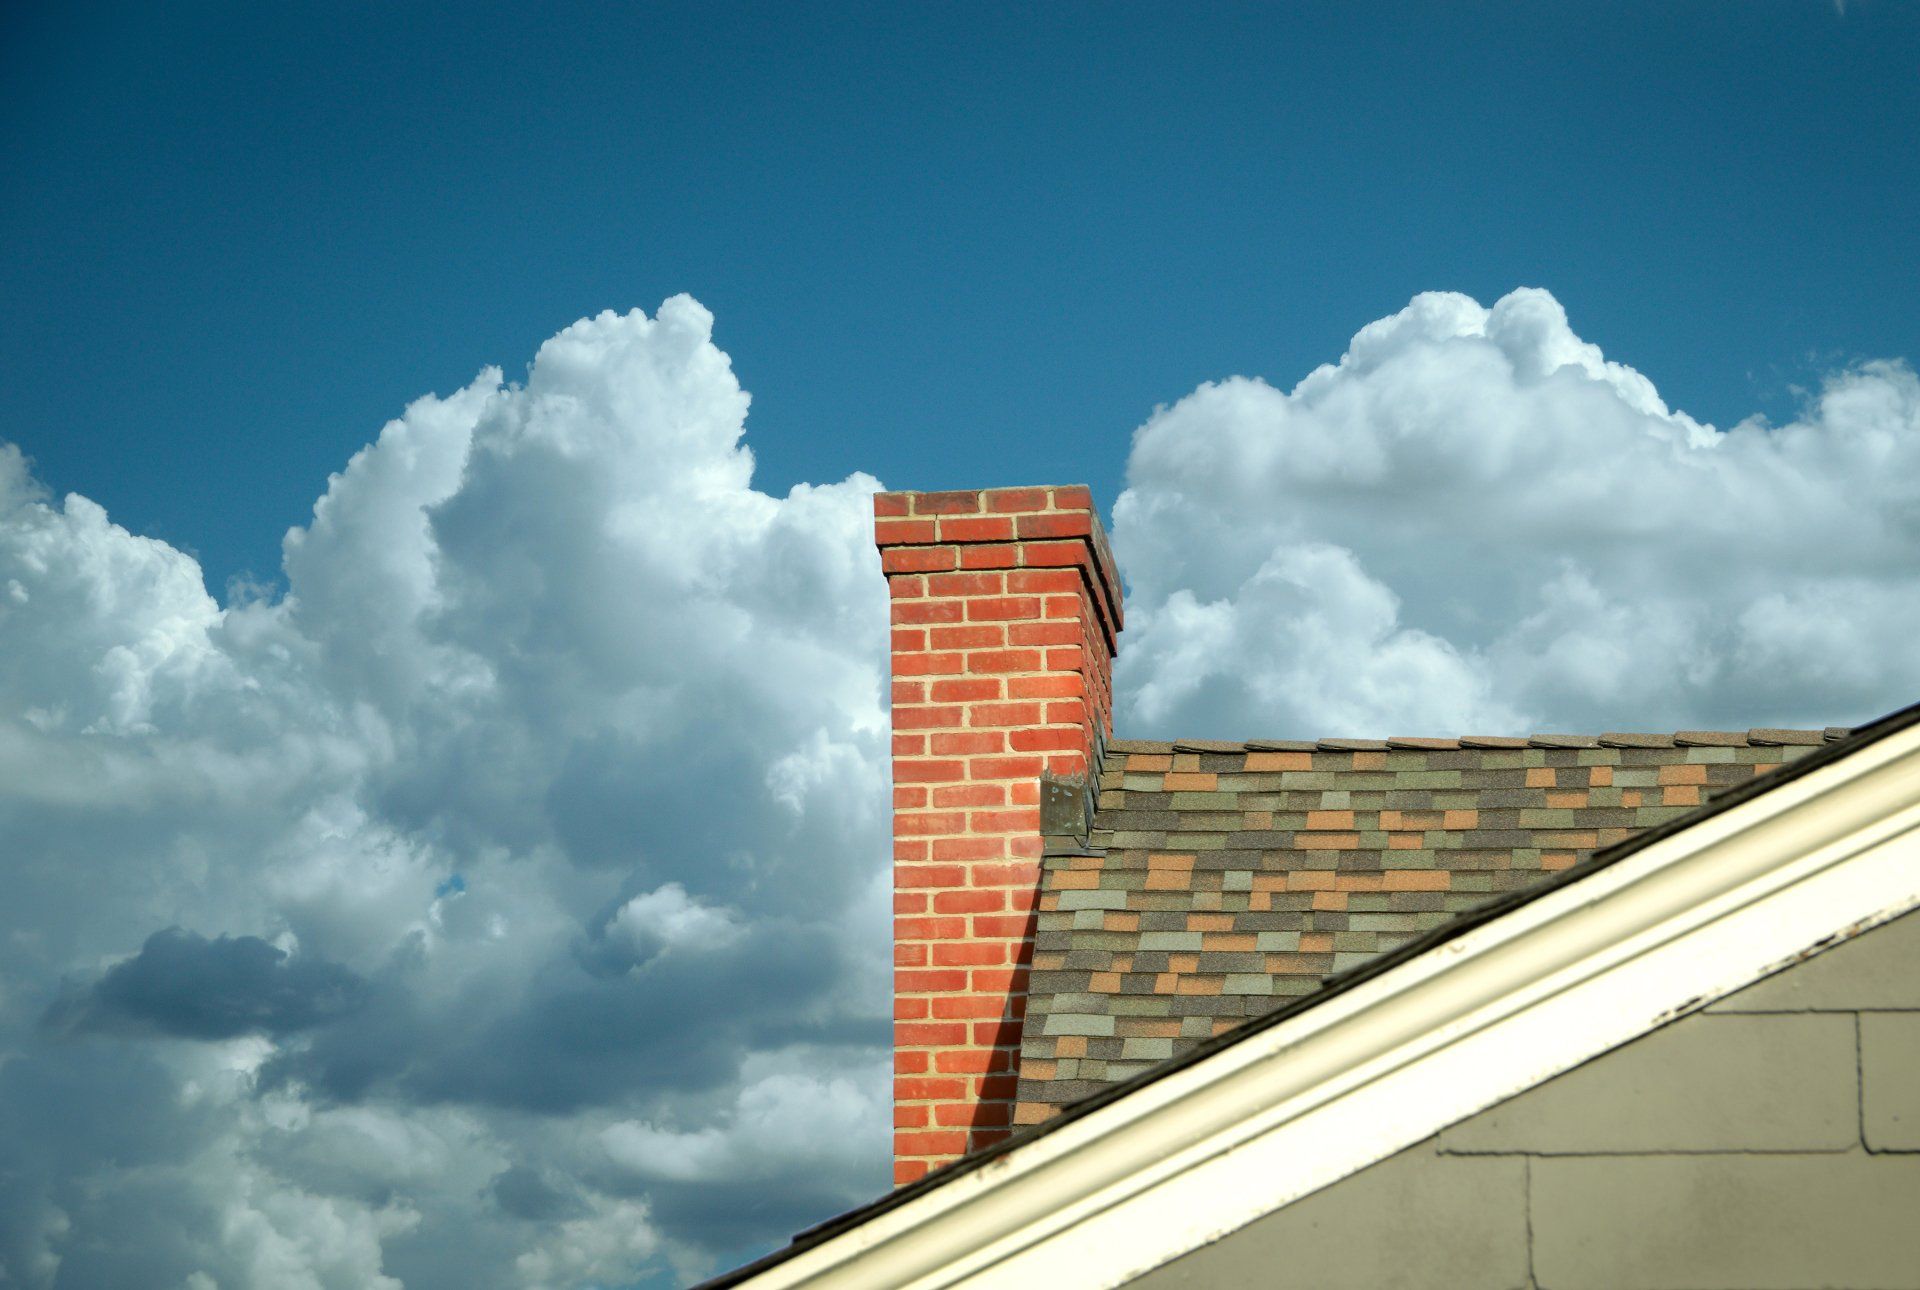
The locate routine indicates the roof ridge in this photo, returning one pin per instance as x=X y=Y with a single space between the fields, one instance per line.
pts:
x=1756 y=737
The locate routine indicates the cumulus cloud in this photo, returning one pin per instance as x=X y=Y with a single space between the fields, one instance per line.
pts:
x=546 y=797
x=1474 y=522
x=503 y=900
x=185 y=985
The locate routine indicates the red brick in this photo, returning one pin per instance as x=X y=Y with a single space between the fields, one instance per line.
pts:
x=909 y=1009
x=1073 y=524
x=1073 y=497
x=927 y=717
x=1002 y=661
x=1000 y=714
x=1015 y=499
x=965 y=1007
x=971 y=636
x=910 y=799
x=1044 y=580
x=909 y=955
x=1063 y=607
x=904 y=532
x=1045 y=555
x=1012 y=925
x=999 y=608
x=999 y=1087
x=1003 y=821
x=929 y=1144
x=1043 y=633
x=918 y=559
x=910 y=1117
x=1046 y=739
x=910 y=1171
x=1055 y=632
x=910 y=902
x=970 y=795
x=967 y=584
x=973 y=1061
x=892 y=504
x=928 y=1034
x=933 y=981
x=909 y=745
x=970 y=1114
x=909 y=692
x=1058 y=685
x=998 y=981
x=922 y=1089
x=908 y=1063
x=983 y=528
x=968 y=741
x=929 y=929
x=1006 y=767
x=1001 y=1034
x=913 y=770
x=970 y=901
x=901 y=587
x=989 y=557
x=1004 y=875
x=929 y=875
x=949 y=503
x=969 y=953
x=966 y=689
x=969 y=848
x=927 y=665
x=929 y=611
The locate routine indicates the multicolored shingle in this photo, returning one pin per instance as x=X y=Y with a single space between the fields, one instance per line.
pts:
x=1221 y=879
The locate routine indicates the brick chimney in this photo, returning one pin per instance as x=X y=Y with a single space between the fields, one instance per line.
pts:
x=1005 y=611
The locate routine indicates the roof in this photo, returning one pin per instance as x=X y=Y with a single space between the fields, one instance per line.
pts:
x=1221 y=879
x=1634 y=935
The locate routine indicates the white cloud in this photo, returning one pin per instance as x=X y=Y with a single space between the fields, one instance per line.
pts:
x=1475 y=523
x=546 y=797
x=668 y=919
x=529 y=851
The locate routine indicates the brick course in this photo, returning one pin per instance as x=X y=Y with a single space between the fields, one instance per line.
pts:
x=1005 y=609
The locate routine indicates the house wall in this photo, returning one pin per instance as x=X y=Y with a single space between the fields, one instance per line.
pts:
x=1770 y=1142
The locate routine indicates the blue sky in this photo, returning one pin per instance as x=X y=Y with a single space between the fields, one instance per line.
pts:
x=381 y=929
x=946 y=244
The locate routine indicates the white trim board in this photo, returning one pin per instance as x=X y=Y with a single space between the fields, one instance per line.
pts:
x=1294 y=1107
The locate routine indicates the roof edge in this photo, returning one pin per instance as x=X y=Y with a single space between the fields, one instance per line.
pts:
x=1758 y=737
x=990 y=1216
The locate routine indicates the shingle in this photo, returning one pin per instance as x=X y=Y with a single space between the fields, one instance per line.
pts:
x=1533 y=802
x=1621 y=739
x=1778 y=738
x=1710 y=738
x=1564 y=741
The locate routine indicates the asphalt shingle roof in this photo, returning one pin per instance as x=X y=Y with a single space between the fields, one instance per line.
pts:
x=1222 y=880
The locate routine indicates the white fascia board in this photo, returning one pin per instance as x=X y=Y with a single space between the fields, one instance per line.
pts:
x=1500 y=1008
